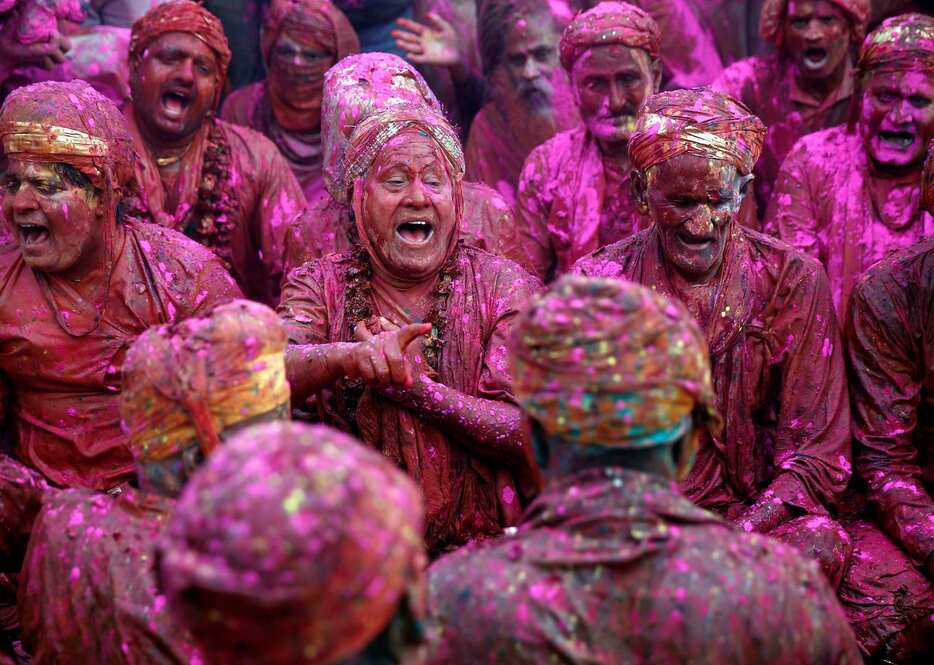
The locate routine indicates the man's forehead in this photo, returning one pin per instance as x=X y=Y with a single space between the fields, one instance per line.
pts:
x=411 y=146
x=612 y=57
x=690 y=173
x=181 y=41
x=808 y=7
x=909 y=79
x=526 y=29
x=29 y=168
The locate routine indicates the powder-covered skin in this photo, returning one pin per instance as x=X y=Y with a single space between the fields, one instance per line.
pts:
x=441 y=431
x=613 y=566
x=67 y=388
x=488 y=224
x=88 y=589
x=824 y=205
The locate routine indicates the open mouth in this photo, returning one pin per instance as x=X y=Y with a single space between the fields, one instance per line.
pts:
x=900 y=140
x=695 y=243
x=175 y=103
x=815 y=58
x=415 y=232
x=32 y=234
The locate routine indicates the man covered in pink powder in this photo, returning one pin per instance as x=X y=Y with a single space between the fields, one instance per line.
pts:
x=296 y=544
x=401 y=339
x=851 y=194
x=783 y=455
x=806 y=84
x=88 y=593
x=574 y=193
x=611 y=563
x=226 y=186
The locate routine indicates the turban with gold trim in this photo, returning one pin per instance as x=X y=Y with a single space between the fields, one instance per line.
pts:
x=899 y=43
x=609 y=23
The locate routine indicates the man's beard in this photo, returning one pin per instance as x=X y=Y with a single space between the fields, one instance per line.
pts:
x=536 y=97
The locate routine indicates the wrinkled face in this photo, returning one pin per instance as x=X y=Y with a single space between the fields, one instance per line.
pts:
x=692 y=200
x=56 y=224
x=610 y=83
x=174 y=86
x=531 y=58
x=897 y=118
x=817 y=37
x=408 y=206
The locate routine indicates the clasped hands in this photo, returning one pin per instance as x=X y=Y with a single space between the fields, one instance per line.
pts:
x=390 y=357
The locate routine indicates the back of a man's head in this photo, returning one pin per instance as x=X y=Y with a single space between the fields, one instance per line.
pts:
x=609 y=370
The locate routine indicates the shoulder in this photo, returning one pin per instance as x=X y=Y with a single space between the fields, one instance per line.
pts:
x=509 y=277
x=67 y=514
x=238 y=107
x=318 y=274
x=248 y=144
x=612 y=260
x=904 y=276
x=827 y=150
x=750 y=71
x=790 y=266
x=561 y=146
x=172 y=248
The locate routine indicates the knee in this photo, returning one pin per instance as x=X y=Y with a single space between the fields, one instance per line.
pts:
x=821 y=539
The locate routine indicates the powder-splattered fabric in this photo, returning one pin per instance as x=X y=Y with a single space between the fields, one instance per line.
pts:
x=572 y=201
x=609 y=23
x=779 y=380
x=611 y=363
x=900 y=43
x=828 y=203
x=699 y=122
x=300 y=525
x=22 y=491
x=36 y=21
x=615 y=566
x=279 y=107
x=181 y=16
x=187 y=382
x=772 y=19
x=890 y=346
x=66 y=388
x=88 y=590
x=466 y=494
x=259 y=197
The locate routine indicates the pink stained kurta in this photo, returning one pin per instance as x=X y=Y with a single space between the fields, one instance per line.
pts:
x=259 y=198
x=488 y=224
x=466 y=496
x=571 y=204
x=88 y=591
x=66 y=389
x=250 y=107
x=615 y=566
x=829 y=204
x=766 y=84
x=778 y=373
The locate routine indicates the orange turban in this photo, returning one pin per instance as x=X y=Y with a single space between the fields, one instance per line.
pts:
x=181 y=16
x=295 y=542
x=69 y=123
x=899 y=43
x=608 y=362
x=609 y=23
x=772 y=19
x=699 y=122
x=187 y=382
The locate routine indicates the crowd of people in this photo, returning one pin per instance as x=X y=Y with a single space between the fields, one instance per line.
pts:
x=493 y=331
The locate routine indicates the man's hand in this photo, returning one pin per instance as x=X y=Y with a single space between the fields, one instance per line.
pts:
x=42 y=54
x=432 y=44
x=381 y=359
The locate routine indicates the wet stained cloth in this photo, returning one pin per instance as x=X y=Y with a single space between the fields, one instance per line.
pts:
x=890 y=339
x=88 y=591
x=466 y=496
x=615 y=566
x=66 y=388
x=571 y=202
x=766 y=84
x=829 y=203
x=779 y=379
x=328 y=227
x=243 y=216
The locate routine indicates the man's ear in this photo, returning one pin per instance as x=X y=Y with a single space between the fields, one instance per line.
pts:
x=656 y=74
x=745 y=182
x=640 y=190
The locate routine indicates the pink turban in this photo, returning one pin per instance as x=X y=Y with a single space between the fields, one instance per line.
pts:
x=609 y=23
x=295 y=544
x=899 y=43
x=772 y=19
x=699 y=122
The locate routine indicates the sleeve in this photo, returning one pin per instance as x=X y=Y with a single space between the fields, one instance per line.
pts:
x=534 y=208
x=792 y=213
x=235 y=108
x=736 y=80
x=886 y=384
x=282 y=202
x=812 y=447
x=303 y=306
